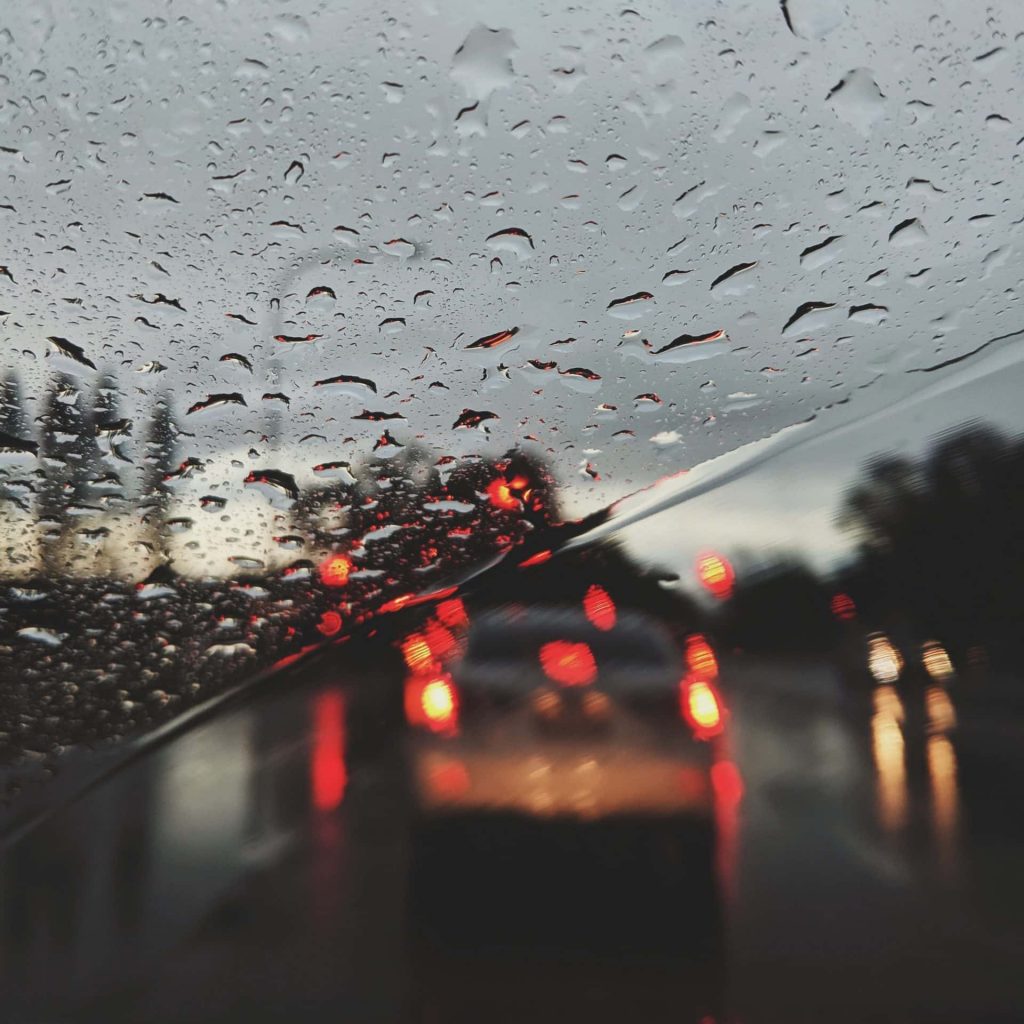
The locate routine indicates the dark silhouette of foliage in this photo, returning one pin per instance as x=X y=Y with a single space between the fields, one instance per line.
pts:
x=159 y=463
x=783 y=608
x=941 y=543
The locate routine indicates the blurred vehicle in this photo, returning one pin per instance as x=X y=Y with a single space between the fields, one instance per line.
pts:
x=583 y=736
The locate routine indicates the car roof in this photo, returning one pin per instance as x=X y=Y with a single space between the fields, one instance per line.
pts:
x=512 y=628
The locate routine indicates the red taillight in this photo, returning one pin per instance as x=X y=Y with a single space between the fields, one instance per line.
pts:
x=701 y=707
x=843 y=607
x=440 y=638
x=453 y=613
x=700 y=657
x=417 y=653
x=715 y=574
x=432 y=702
x=599 y=608
x=568 y=663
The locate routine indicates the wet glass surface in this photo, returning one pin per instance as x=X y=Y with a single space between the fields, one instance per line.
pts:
x=688 y=329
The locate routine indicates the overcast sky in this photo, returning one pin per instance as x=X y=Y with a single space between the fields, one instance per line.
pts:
x=224 y=156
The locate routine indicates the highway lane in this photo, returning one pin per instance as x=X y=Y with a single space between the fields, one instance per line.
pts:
x=255 y=869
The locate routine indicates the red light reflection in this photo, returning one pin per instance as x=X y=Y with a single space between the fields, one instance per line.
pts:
x=334 y=571
x=537 y=559
x=500 y=493
x=727 y=789
x=329 y=624
x=329 y=775
x=449 y=780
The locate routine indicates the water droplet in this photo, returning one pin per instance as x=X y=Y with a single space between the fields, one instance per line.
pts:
x=493 y=340
x=514 y=240
x=278 y=486
x=347 y=384
x=236 y=357
x=473 y=418
x=868 y=313
x=215 y=401
x=693 y=347
x=908 y=232
x=735 y=281
x=857 y=100
x=71 y=356
x=820 y=253
x=631 y=307
x=809 y=316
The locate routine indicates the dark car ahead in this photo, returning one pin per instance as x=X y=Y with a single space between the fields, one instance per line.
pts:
x=561 y=766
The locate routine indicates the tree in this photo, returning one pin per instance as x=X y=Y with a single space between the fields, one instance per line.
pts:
x=941 y=548
x=13 y=423
x=160 y=462
x=66 y=451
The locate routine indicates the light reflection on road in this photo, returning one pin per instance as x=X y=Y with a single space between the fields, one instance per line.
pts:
x=891 y=750
x=829 y=852
x=890 y=759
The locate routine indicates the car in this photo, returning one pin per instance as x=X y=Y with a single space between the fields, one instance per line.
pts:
x=560 y=763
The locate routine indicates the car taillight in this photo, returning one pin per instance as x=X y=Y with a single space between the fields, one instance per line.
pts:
x=440 y=639
x=701 y=707
x=417 y=653
x=432 y=702
x=599 y=608
x=700 y=657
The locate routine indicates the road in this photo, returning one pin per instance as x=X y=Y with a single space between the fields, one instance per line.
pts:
x=254 y=869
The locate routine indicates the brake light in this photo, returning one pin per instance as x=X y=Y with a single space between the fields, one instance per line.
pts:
x=432 y=703
x=568 y=663
x=417 y=653
x=701 y=707
x=438 y=701
x=599 y=608
x=453 y=613
x=700 y=657
x=715 y=574
x=440 y=639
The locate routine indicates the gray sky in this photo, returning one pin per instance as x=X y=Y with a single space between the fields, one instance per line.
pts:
x=648 y=151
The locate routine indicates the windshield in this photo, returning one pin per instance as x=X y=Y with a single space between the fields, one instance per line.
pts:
x=335 y=333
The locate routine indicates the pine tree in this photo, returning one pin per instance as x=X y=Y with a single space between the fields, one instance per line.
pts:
x=13 y=419
x=13 y=423
x=160 y=458
x=63 y=450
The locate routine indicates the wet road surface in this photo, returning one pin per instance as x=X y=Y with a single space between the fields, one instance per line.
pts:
x=256 y=869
